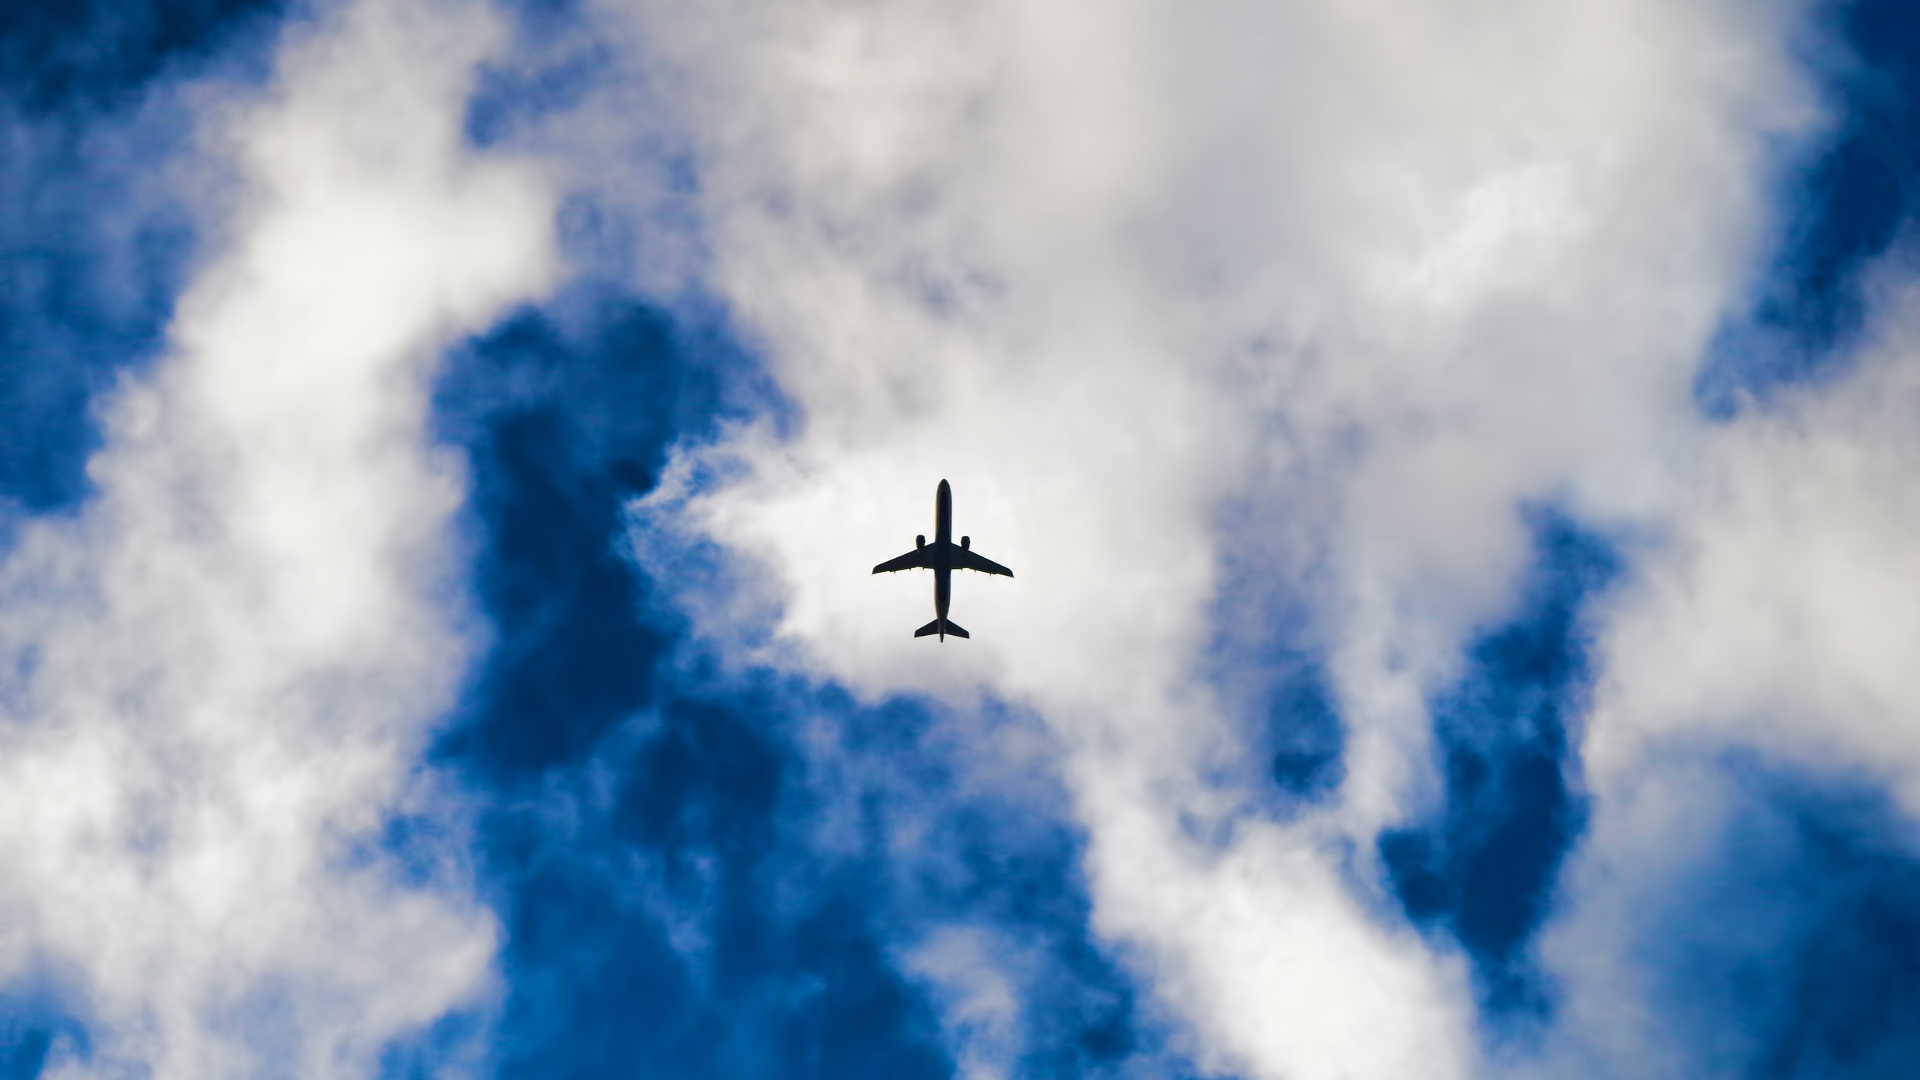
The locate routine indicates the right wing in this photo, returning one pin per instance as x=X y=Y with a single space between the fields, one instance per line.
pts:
x=968 y=559
x=917 y=559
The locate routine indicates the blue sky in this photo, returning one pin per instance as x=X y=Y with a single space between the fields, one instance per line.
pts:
x=1458 y=460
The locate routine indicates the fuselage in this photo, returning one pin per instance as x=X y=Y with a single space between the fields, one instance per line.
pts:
x=942 y=549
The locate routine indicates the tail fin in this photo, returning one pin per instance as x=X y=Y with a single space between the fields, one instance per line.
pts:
x=953 y=629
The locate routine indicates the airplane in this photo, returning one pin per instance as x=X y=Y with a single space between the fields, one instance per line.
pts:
x=942 y=557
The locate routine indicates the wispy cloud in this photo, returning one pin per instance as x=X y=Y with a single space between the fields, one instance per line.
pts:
x=228 y=660
x=1784 y=607
x=1458 y=498
x=1361 y=282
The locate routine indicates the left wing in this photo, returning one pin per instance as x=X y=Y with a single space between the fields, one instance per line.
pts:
x=968 y=559
x=917 y=559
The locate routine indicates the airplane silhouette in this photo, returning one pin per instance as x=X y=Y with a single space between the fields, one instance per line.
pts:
x=943 y=558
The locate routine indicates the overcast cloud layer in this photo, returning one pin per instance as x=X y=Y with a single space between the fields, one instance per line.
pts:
x=1457 y=460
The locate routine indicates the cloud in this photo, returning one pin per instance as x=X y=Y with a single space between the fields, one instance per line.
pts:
x=1732 y=917
x=73 y=59
x=1486 y=864
x=98 y=241
x=983 y=1002
x=1781 y=609
x=1329 y=374
x=1841 y=208
x=1229 y=309
x=226 y=663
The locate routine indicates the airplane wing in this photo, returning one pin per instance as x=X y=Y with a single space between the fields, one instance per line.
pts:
x=917 y=559
x=967 y=559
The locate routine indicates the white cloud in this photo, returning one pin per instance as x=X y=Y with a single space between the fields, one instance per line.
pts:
x=1777 y=611
x=226 y=664
x=1783 y=610
x=1360 y=279
x=967 y=969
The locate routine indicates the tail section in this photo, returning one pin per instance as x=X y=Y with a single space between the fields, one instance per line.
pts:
x=953 y=629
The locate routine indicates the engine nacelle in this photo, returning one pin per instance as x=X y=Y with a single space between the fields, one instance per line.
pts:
x=966 y=541
x=919 y=542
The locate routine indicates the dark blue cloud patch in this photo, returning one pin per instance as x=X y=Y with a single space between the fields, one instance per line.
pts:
x=1845 y=207
x=23 y=1050
x=85 y=292
x=97 y=218
x=565 y=92
x=572 y=660
x=703 y=871
x=452 y=1045
x=553 y=67
x=1788 y=947
x=1266 y=664
x=61 y=55
x=43 y=1022
x=635 y=939
x=27 y=1037
x=621 y=963
x=1308 y=740
x=708 y=899
x=565 y=413
x=993 y=853
x=563 y=417
x=1485 y=867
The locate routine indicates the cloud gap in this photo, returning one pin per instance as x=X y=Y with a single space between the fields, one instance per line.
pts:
x=554 y=65
x=763 y=878
x=681 y=881
x=92 y=257
x=103 y=209
x=778 y=872
x=565 y=413
x=43 y=1023
x=1486 y=866
x=1308 y=739
x=1846 y=202
x=232 y=654
x=1760 y=917
x=683 y=893
x=680 y=890
x=1268 y=665
x=90 y=55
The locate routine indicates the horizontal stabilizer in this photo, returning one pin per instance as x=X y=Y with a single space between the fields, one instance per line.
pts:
x=953 y=629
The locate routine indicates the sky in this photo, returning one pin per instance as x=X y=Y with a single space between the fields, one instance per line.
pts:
x=1459 y=459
